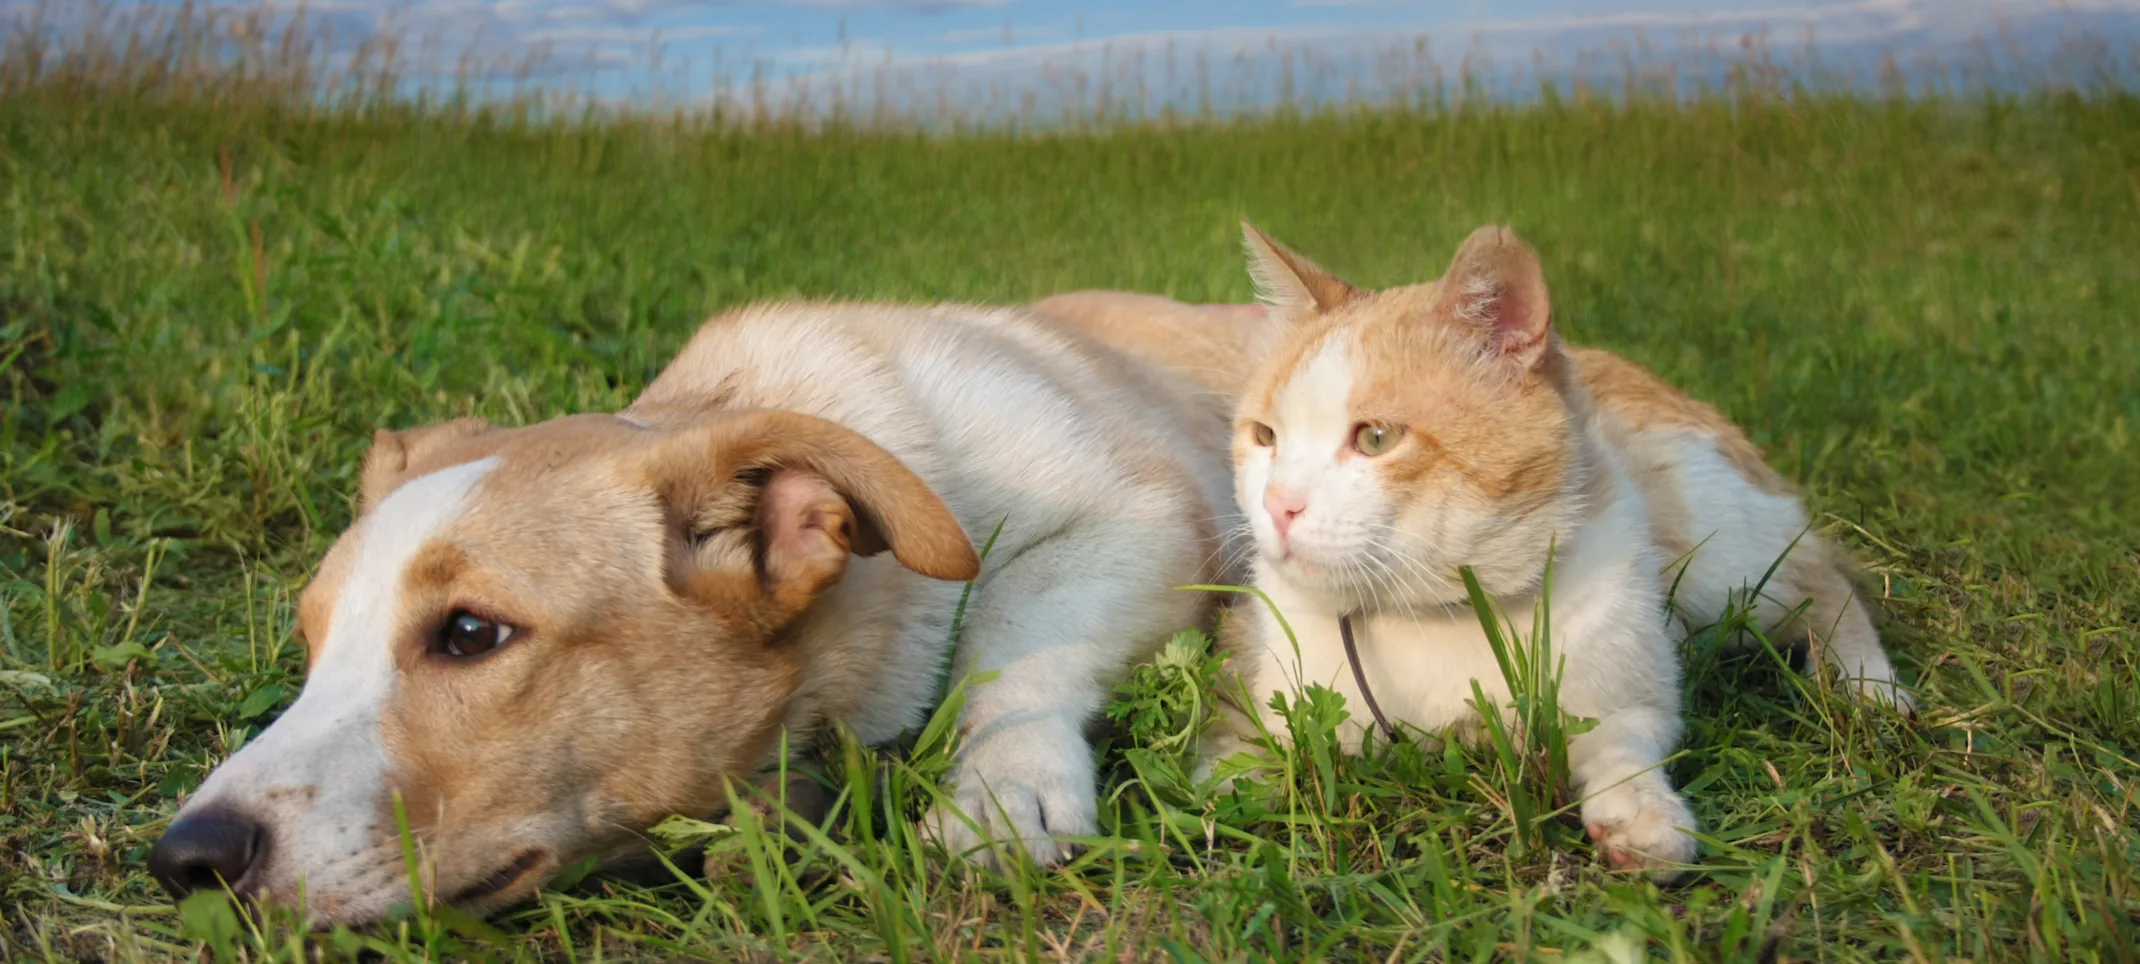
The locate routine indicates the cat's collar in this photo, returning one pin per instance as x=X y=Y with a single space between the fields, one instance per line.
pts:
x=1359 y=677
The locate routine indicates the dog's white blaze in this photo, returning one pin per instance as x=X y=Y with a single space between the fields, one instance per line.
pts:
x=315 y=779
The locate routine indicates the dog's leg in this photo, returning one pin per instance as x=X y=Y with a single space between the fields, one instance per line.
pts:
x=1060 y=623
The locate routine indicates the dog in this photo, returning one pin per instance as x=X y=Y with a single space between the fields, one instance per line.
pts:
x=533 y=643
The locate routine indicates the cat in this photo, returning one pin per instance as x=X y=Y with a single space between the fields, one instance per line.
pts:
x=1387 y=438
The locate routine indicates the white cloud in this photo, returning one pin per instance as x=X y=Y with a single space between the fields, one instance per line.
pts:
x=603 y=34
x=1007 y=32
x=1844 y=21
x=619 y=35
x=1248 y=65
x=916 y=6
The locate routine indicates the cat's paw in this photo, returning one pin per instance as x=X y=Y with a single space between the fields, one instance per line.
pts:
x=1880 y=690
x=1243 y=767
x=1863 y=674
x=1642 y=828
x=1884 y=692
x=1024 y=798
x=1216 y=745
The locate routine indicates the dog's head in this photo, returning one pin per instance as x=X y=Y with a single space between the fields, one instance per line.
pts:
x=542 y=640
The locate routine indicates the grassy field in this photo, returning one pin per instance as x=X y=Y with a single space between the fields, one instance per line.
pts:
x=1925 y=310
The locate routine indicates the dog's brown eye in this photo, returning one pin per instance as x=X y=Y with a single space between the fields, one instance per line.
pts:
x=1372 y=440
x=467 y=634
x=1264 y=435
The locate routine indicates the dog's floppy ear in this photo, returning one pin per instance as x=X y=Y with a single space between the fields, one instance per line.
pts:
x=771 y=504
x=395 y=457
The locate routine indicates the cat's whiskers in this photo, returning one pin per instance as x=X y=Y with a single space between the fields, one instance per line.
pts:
x=1408 y=602
x=1441 y=585
x=1237 y=546
x=1402 y=600
x=1361 y=577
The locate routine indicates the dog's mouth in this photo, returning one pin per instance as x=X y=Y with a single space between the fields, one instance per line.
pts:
x=502 y=879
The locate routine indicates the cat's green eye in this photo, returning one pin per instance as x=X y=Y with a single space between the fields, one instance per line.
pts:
x=1264 y=435
x=1372 y=440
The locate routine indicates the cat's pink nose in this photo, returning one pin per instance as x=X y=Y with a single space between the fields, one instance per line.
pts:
x=1283 y=507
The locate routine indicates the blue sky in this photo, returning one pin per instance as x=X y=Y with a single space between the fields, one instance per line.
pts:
x=607 y=45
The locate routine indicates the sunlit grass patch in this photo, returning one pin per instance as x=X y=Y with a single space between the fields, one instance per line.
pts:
x=1921 y=308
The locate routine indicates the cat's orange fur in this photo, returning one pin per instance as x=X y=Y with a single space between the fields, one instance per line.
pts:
x=1509 y=446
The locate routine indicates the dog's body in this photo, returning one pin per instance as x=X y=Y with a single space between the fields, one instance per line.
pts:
x=1074 y=448
x=547 y=638
x=1209 y=350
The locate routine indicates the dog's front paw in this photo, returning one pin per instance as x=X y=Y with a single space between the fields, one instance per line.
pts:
x=1642 y=827
x=1018 y=793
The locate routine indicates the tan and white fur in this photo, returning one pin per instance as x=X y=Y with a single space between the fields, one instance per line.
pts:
x=658 y=594
x=1507 y=444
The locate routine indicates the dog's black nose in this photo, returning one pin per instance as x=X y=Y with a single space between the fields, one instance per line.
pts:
x=205 y=851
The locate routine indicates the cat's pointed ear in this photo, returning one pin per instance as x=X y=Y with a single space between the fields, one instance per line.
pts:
x=1290 y=285
x=1496 y=286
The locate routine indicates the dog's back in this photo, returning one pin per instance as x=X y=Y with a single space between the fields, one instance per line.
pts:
x=1211 y=348
x=1002 y=413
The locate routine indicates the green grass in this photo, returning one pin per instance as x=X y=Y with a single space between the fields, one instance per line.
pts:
x=1925 y=310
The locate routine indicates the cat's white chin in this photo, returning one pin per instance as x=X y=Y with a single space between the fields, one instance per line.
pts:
x=1304 y=568
x=1347 y=585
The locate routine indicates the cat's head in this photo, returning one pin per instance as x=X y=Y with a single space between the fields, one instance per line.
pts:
x=1399 y=434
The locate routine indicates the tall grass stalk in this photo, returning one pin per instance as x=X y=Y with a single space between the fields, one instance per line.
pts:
x=1529 y=734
